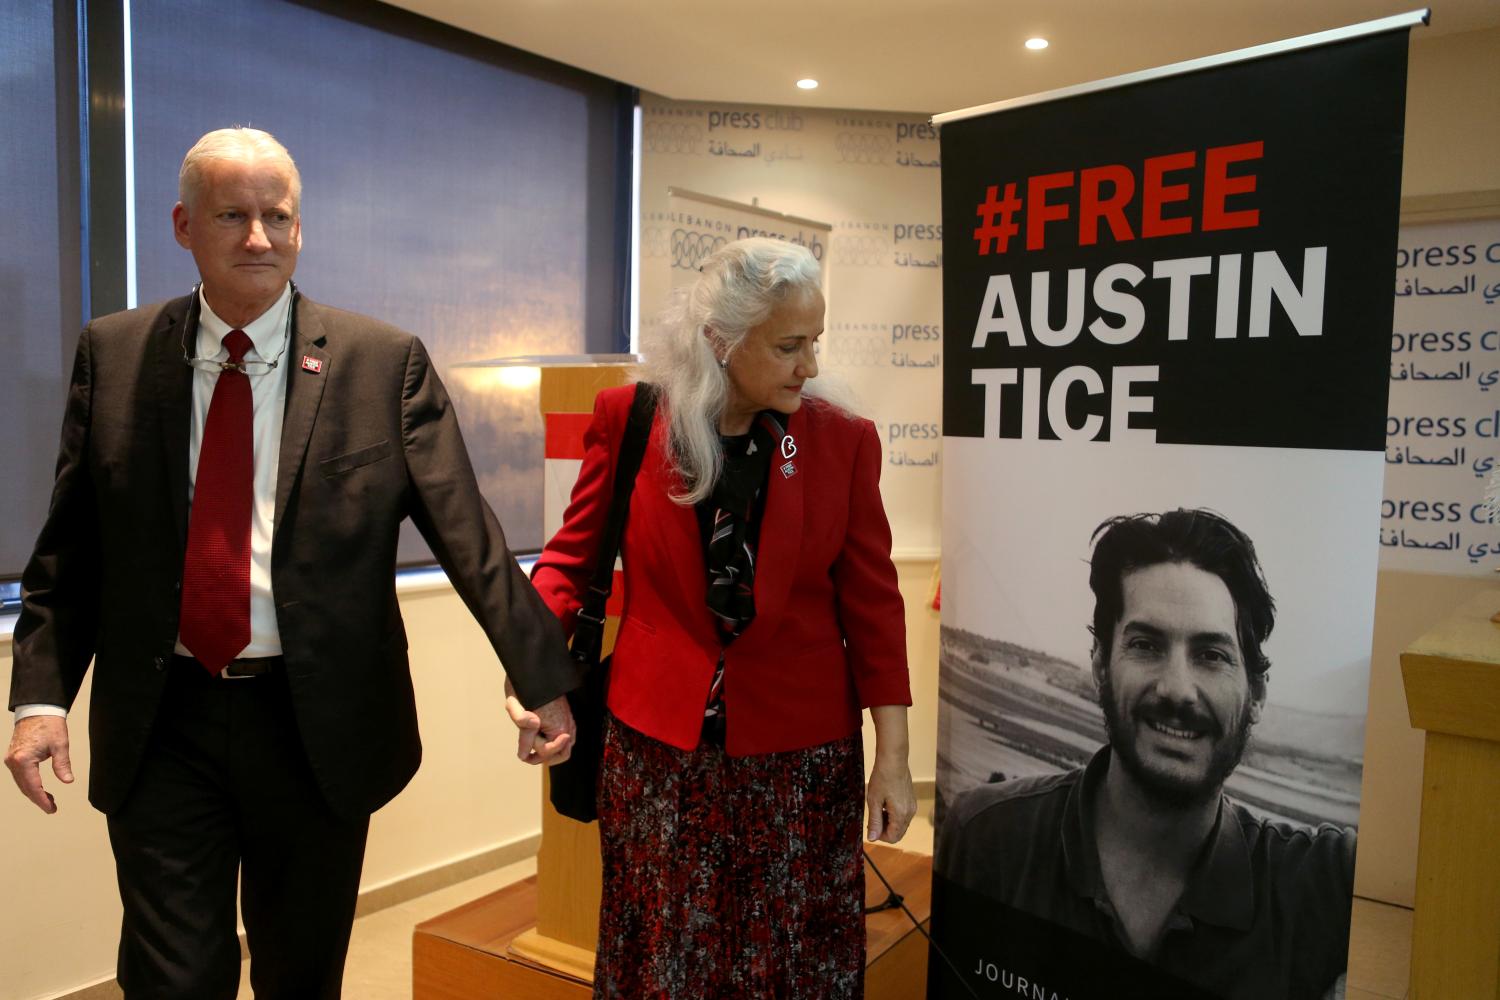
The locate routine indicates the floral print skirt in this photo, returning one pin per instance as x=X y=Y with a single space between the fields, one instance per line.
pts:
x=730 y=877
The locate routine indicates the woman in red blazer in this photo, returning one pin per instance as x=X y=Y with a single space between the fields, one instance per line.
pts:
x=761 y=615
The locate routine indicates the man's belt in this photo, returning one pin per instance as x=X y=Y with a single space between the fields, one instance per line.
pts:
x=238 y=670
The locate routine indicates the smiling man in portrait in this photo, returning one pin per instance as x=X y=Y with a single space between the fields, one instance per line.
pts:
x=1141 y=849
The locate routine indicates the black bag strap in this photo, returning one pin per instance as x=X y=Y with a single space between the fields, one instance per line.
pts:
x=588 y=633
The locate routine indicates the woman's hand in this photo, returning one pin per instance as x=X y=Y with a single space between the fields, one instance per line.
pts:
x=546 y=735
x=889 y=796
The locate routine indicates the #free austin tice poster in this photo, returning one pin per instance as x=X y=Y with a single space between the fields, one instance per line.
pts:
x=1167 y=314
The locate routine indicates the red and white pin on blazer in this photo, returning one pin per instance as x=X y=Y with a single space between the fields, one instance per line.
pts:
x=312 y=364
x=788 y=452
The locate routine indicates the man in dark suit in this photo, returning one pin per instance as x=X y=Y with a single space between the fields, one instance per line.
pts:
x=221 y=543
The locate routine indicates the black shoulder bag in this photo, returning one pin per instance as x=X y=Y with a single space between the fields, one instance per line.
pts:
x=575 y=782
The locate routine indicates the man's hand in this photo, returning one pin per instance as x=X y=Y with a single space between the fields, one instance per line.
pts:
x=547 y=734
x=34 y=740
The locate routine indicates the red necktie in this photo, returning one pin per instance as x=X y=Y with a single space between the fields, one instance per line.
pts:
x=215 y=623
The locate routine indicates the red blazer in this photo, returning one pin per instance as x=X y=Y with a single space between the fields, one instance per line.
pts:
x=829 y=635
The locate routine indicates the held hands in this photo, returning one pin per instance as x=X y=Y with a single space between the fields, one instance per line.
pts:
x=890 y=798
x=33 y=741
x=546 y=734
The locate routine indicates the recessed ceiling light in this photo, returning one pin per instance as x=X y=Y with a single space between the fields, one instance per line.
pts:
x=1036 y=44
x=807 y=84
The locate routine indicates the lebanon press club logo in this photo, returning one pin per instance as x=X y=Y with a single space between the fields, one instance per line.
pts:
x=857 y=345
x=673 y=137
x=690 y=247
x=654 y=242
x=871 y=149
x=859 y=243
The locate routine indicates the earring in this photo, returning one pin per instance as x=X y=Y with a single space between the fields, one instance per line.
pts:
x=724 y=364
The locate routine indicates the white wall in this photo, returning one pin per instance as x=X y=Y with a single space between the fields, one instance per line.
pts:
x=61 y=919
x=1452 y=112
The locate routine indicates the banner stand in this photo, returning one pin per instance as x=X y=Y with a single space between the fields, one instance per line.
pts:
x=1166 y=338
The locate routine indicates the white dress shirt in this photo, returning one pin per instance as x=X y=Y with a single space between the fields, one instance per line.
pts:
x=270 y=335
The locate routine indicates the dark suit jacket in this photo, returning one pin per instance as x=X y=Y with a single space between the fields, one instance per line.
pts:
x=829 y=635
x=366 y=441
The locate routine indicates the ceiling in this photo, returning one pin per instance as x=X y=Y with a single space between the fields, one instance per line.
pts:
x=925 y=56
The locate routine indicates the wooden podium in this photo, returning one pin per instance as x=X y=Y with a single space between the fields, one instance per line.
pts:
x=567 y=864
x=1452 y=677
x=535 y=940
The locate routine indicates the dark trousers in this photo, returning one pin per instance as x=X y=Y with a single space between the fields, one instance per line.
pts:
x=225 y=794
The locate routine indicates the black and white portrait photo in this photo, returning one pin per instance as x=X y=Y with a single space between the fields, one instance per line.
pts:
x=1152 y=729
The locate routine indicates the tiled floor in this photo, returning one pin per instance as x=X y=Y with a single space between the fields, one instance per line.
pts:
x=379 y=966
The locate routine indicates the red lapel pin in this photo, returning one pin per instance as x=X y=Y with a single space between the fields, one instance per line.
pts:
x=311 y=364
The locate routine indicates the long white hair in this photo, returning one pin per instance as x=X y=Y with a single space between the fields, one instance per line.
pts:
x=738 y=287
